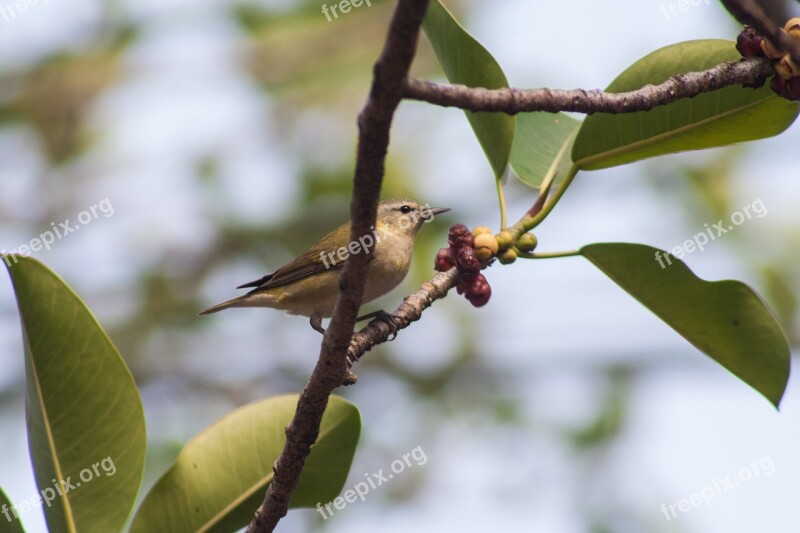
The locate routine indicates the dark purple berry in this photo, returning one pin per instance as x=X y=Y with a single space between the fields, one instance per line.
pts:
x=444 y=260
x=461 y=286
x=478 y=291
x=789 y=89
x=468 y=265
x=793 y=89
x=459 y=237
x=749 y=43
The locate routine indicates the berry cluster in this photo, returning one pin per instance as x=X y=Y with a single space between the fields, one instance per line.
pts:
x=787 y=81
x=468 y=258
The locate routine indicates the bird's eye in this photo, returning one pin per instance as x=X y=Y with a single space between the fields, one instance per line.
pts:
x=405 y=209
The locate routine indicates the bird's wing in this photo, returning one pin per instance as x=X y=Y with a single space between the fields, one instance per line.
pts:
x=257 y=282
x=306 y=265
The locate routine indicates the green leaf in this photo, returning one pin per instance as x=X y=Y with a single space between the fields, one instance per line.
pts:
x=9 y=523
x=730 y=115
x=543 y=145
x=726 y=319
x=465 y=61
x=85 y=418
x=220 y=477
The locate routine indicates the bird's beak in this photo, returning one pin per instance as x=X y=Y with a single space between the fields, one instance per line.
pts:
x=439 y=210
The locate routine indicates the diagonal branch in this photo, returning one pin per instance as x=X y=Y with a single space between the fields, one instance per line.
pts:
x=374 y=122
x=749 y=72
x=378 y=331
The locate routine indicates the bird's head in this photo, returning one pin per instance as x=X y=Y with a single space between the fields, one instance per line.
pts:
x=405 y=217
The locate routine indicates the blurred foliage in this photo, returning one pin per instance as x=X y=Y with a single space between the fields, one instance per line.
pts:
x=285 y=53
x=55 y=94
x=301 y=62
x=610 y=418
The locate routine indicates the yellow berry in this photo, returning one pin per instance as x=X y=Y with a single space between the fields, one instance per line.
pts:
x=480 y=230
x=486 y=240
x=483 y=255
x=527 y=242
x=786 y=68
x=507 y=256
x=792 y=27
x=504 y=239
x=770 y=50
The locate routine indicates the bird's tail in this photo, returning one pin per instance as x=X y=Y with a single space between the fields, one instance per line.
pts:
x=234 y=302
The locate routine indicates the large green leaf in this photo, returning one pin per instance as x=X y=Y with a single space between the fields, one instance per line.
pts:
x=543 y=145
x=9 y=522
x=85 y=418
x=220 y=477
x=730 y=115
x=465 y=61
x=726 y=319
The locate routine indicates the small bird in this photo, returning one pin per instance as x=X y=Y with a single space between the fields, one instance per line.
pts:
x=309 y=285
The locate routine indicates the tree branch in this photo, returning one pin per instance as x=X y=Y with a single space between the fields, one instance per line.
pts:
x=751 y=72
x=378 y=331
x=374 y=122
x=750 y=13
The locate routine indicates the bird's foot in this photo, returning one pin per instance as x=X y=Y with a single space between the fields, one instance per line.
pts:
x=386 y=318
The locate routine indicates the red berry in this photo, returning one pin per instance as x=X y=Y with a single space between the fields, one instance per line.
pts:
x=478 y=291
x=468 y=265
x=460 y=236
x=789 y=89
x=793 y=89
x=444 y=260
x=778 y=85
x=749 y=43
x=461 y=286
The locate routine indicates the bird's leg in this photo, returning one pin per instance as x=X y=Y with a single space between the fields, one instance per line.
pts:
x=316 y=322
x=383 y=316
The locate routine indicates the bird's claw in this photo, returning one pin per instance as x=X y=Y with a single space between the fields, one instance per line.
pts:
x=388 y=319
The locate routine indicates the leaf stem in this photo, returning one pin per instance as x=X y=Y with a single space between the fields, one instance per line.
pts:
x=528 y=222
x=548 y=255
x=501 y=198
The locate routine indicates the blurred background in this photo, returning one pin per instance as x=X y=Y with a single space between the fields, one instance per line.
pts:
x=223 y=136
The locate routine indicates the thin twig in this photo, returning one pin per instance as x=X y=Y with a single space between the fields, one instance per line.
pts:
x=378 y=331
x=512 y=101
